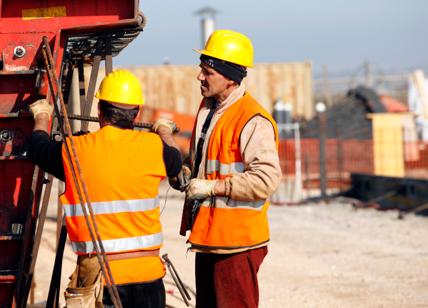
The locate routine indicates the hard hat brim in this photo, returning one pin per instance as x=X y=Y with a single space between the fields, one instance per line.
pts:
x=202 y=52
x=125 y=106
x=210 y=54
x=113 y=101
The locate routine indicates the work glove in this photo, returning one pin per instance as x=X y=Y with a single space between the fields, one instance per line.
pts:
x=41 y=106
x=164 y=122
x=200 y=189
x=181 y=181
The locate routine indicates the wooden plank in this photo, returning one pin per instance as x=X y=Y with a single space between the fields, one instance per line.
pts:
x=388 y=144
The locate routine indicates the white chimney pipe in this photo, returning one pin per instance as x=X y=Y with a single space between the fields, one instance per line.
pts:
x=207 y=15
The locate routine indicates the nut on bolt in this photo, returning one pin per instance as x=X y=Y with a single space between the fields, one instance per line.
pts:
x=19 y=51
x=5 y=135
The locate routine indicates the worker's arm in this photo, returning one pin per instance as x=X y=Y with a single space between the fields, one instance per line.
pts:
x=262 y=170
x=41 y=122
x=41 y=150
x=172 y=159
x=171 y=152
x=46 y=154
x=260 y=157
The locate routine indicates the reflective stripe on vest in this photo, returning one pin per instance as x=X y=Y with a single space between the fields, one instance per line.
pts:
x=224 y=169
x=224 y=203
x=221 y=221
x=122 y=170
x=123 y=244
x=74 y=210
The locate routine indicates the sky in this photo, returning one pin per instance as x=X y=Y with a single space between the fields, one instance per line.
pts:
x=338 y=34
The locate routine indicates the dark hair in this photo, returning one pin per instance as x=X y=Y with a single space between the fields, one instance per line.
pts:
x=119 y=117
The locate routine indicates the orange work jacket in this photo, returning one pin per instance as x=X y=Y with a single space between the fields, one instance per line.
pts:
x=122 y=170
x=224 y=223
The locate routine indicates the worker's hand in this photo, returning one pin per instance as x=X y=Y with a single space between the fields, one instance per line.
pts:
x=41 y=106
x=181 y=181
x=164 y=123
x=200 y=189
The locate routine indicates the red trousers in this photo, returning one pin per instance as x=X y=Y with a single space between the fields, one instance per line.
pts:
x=228 y=280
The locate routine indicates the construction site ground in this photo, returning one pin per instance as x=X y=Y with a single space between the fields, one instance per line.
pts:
x=320 y=255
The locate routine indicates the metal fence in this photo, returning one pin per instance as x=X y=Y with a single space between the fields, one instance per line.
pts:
x=305 y=168
x=332 y=88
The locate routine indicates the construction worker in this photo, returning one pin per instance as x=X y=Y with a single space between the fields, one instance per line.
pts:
x=235 y=168
x=122 y=169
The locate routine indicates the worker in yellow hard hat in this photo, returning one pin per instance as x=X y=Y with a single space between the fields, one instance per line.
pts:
x=234 y=169
x=122 y=169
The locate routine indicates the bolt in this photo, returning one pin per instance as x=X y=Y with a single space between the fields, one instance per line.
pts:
x=5 y=136
x=19 y=51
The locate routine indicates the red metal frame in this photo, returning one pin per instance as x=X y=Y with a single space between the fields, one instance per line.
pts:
x=22 y=81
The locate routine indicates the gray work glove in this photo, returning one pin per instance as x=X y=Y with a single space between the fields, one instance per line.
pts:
x=181 y=181
x=41 y=106
x=200 y=189
x=164 y=122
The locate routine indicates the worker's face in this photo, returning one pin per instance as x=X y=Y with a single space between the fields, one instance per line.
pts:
x=213 y=84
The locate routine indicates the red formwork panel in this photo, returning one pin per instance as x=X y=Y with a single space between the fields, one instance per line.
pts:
x=16 y=173
x=20 y=189
x=23 y=24
x=16 y=92
x=7 y=290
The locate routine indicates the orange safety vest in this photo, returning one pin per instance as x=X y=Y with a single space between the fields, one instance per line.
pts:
x=122 y=170
x=222 y=222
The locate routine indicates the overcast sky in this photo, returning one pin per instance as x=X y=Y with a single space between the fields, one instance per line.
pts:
x=342 y=34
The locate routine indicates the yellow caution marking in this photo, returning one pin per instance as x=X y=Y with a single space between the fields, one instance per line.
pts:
x=44 y=12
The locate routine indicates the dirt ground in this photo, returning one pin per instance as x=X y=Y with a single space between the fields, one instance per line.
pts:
x=320 y=255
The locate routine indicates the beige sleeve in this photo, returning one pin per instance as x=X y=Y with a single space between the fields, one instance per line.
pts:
x=260 y=157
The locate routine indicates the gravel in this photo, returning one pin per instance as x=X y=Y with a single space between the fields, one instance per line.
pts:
x=320 y=255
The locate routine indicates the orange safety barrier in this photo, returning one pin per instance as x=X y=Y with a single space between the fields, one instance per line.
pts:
x=343 y=157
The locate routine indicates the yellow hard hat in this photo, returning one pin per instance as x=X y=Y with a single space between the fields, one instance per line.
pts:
x=229 y=46
x=121 y=86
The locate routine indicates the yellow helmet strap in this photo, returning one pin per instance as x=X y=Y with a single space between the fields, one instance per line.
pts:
x=229 y=70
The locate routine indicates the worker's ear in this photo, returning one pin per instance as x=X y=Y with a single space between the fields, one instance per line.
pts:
x=99 y=109
x=139 y=116
x=231 y=83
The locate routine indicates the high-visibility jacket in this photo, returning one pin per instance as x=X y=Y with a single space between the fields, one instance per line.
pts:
x=122 y=170
x=224 y=223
